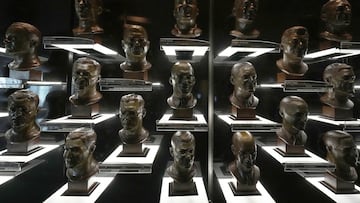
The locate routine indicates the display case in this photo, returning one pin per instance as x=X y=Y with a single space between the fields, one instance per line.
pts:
x=183 y=70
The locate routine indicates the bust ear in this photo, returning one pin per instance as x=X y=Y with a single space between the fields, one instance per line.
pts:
x=123 y=44
x=170 y=81
x=232 y=80
x=281 y=114
x=233 y=149
x=171 y=151
x=281 y=46
x=92 y=148
x=144 y=112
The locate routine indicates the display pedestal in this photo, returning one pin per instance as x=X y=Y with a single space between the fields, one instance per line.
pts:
x=351 y=126
x=287 y=150
x=343 y=198
x=121 y=84
x=200 y=196
x=225 y=179
x=60 y=195
x=85 y=112
x=260 y=124
x=337 y=114
x=183 y=114
x=66 y=124
x=136 y=75
x=281 y=77
x=339 y=186
x=23 y=148
x=199 y=124
x=132 y=163
x=309 y=163
x=33 y=74
x=244 y=113
x=13 y=164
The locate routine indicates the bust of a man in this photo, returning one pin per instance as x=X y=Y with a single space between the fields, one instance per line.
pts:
x=185 y=13
x=86 y=75
x=131 y=114
x=294 y=111
x=243 y=168
x=136 y=45
x=182 y=80
x=336 y=15
x=79 y=147
x=245 y=12
x=341 y=76
x=23 y=109
x=342 y=151
x=294 y=44
x=21 y=41
x=244 y=78
x=183 y=151
x=87 y=12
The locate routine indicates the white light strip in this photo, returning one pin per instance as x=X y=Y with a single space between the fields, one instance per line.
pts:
x=102 y=49
x=74 y=48
x=2 y=50
x=276 y=85
x=4 y=114
x=229 y=51
x=356 y=86
x=156 y=84
x=44 y=83
x=197 y=50
x=321 y=53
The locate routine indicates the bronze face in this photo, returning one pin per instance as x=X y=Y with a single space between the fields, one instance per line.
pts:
x=23 y=109
x=88 y=9
x=294 y=112
x=244 y=77
x=244 y=149
x=294 y=42
x=341 y=76
x=78 y=154
x=185 y=13
x=337 y=13
x=245 y=10
x=182 y=78
x=135 y=43
x=86 y=75
x=183 y=150
x=132 y=112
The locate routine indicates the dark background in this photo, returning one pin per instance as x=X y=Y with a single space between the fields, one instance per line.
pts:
x=57 y=18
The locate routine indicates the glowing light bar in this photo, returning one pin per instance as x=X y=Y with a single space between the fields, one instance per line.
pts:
x=197 y=50
x=102 y=49
x=327 y=52
x=4 y=114
x=76 y=48
x=158 y=84
x=276 y=85
x=45 y=83
x=2 y=50
x=229 y=51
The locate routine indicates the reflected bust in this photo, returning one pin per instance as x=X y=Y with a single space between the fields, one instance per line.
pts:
x=79 y=147
x=183 y=151
x=294 y=112
x=243 y=168
x=342 y=151
x=23 y=109
x=185 y=13
x=86 y=75
x=341 y=76
x=294 y=44
x=182 y=80
x=136 y=45
x=131 y=114
x=88 y=12
x=245 y=13
x=336 y=15
x=21 y=41
x=244 y=78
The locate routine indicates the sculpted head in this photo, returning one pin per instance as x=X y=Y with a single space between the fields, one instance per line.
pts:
x=341 y=76
x=244 y=77
x=294 y=111
x=244 y=149
x=294 y=42
x=336 y=13
x=79 y=147
x=88 y=9
x=183 y=150
x=185 y=13
x=23 y=109
x=132 y=111
x=245 y=10
x=182 y=78
x=135 y=43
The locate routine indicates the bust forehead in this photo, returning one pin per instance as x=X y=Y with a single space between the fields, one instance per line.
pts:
x=131 y=102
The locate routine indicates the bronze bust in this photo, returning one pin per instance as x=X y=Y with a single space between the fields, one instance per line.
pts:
x=294 y=44
x=245 y=12
x=136 y=45
x=185 y=13
x=86 y=75
x=183 y=151
x=88 y=12
x=244 y=78
x=336 y=15
x=294 y=112
x=23 y=109
x=131 y=114
x=21 y=41
x=341 y=76
x=243 y=168
x=342 y=151
x=79 y=147
x=182 y=80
